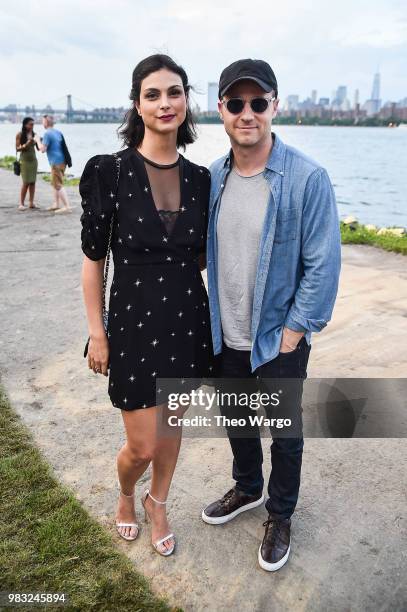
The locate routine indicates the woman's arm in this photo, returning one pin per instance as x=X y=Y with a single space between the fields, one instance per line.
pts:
x=19 y=147
x=92 y=285
x=24 y=147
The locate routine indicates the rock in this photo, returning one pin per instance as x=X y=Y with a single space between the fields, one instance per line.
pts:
x=370 y=227
x=392 y=231
x=397 y=231
x=351 y=222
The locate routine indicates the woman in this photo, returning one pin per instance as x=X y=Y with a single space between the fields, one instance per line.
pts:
x=159 y=323
x=26 y=143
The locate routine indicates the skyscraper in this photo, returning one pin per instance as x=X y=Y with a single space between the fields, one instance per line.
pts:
x=291 y=103
x=341 y=94
x=376 y=87
x=340 y=101
x=373 y=105
x=356 y=99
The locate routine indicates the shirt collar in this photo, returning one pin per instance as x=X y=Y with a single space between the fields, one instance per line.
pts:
x=275 y=162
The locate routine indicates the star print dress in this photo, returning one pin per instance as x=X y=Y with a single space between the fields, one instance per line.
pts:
x=158 y=324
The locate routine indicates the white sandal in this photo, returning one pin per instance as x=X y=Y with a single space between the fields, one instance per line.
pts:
x=135 y=525
x=156 y=545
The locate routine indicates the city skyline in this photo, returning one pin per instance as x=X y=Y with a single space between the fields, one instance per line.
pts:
x=339 y=99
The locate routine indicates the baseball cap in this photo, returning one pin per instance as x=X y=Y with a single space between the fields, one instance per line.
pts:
x=252 y=69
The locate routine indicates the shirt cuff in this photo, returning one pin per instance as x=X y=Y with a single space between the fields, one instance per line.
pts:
x=301 y=324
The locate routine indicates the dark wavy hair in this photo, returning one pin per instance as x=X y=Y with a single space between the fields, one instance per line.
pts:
x=24 y=139
x=132 y=129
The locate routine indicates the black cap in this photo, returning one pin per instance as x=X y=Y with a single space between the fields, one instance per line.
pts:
x=254 y=70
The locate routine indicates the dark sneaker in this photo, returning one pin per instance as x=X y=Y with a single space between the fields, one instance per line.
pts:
x=230 y=505
x=275 y=548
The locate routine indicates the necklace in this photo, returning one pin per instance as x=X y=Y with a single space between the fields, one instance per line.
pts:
x=152 y=163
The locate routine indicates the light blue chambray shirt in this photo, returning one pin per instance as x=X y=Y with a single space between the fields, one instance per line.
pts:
x=299 y=256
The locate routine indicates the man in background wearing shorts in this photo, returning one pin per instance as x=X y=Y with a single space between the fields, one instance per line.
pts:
x=52 y=145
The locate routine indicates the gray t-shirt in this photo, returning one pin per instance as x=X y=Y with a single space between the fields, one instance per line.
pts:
x=240 y=223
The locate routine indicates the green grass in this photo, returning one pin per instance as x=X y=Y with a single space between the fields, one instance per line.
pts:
x=49 y=543
x=360 y=235
x=68 y=182
x=7 y=163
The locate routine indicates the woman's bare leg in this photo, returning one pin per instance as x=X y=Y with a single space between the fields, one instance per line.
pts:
x=31 y=188
x=164 y=462
x=23 y=193
x=133 y=459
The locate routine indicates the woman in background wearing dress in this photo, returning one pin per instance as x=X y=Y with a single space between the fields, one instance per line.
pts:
x=26 y=143
x=159 y=324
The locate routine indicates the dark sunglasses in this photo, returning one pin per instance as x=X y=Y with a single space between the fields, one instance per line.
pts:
x=236 y=105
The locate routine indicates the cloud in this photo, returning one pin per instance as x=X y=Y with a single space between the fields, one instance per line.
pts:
x=378 y=30
x=90 y=48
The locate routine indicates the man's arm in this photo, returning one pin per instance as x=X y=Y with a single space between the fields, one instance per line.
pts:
x=321 y=258
x=43 y=146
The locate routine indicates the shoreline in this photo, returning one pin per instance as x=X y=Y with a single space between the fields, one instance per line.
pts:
x=301 y=122
x=352 y=232
x=391 y=238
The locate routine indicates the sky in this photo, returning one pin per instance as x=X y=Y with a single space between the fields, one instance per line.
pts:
x=90 y=48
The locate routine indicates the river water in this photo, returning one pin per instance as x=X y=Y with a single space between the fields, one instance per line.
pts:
x=368 y=166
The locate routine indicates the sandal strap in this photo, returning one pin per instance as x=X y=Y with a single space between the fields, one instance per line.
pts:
x=157 y=501
x=167 y=537
x=124 y=494
x=127 y=525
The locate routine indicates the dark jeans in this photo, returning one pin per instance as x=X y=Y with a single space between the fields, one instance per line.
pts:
x=286 y=453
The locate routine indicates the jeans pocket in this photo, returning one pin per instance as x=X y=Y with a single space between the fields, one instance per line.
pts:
x=294 y=363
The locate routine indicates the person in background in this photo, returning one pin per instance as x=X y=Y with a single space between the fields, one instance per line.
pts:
x=52 y=145
x=26 y=143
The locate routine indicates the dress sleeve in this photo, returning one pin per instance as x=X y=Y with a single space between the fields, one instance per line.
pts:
x=97 y=189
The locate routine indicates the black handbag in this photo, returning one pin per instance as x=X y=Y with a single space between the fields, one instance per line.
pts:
x=67 y=155
x=105 y=313
x=17 y=167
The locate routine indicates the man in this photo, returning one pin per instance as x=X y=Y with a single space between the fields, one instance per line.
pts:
x=273 y=267
x=52 y=144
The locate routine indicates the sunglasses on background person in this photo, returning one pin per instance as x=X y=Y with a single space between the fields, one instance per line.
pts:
x=236 y=105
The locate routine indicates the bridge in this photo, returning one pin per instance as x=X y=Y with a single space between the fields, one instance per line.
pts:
x=68 y=114
x=91 y=114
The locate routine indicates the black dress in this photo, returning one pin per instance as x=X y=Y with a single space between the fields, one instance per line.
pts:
x=159 y=325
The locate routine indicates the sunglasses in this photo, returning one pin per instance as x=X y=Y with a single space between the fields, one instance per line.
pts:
x=236 y=105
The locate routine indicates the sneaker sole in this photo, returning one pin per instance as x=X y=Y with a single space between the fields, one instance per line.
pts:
x=219 y=520
x=273 y=567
